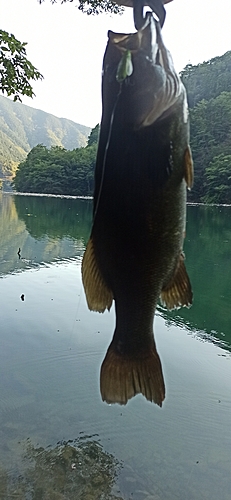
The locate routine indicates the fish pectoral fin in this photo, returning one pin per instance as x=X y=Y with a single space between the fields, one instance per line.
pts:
x=188 y=164
x=178 y=291
x=122 y=377
x=99 y=296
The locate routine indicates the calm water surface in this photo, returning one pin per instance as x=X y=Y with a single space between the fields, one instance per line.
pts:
x=58 y=440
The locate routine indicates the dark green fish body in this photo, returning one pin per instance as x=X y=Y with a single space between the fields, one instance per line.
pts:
x=134 y=255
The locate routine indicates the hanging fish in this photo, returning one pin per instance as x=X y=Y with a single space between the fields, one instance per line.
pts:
x=143 y=168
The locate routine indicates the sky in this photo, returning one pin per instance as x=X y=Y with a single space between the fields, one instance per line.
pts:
x=67 y=47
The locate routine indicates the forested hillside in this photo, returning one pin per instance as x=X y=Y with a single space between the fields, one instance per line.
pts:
x=209 y=95
x=71 y=172
x=23 y=127
x=56 y=170
x=208 y=79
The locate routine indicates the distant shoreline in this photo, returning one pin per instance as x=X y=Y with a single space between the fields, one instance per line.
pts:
x=17 y=193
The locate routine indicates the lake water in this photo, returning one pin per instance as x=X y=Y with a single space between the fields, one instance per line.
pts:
x=58 y=440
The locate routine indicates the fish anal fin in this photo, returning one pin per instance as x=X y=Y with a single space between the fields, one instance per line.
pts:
x=122 y=377
x=99 y=296
x=188 y=164
x=178 y=291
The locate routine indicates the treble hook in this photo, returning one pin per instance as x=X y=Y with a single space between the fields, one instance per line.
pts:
x=156 y=6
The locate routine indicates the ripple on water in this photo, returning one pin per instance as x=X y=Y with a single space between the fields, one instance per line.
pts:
x=50 y=392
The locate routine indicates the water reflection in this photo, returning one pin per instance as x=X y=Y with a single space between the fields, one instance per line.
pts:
x=44 y=229
x=51 y=351
x=72 y=469
x=55 y=217
x=208 y=251
x=53 y=229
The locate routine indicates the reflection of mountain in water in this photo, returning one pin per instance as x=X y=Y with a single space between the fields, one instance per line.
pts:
x=208 y=261
x=45 y=229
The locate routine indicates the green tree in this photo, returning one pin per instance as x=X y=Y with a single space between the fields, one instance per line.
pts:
x=93 y=138
x=16 y=71
x=208 y=79
x=57 y=171
x=94 y=6
x=210 y=137
x=218 y=179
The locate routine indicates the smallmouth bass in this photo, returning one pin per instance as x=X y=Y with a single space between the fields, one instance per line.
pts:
x=143 y=167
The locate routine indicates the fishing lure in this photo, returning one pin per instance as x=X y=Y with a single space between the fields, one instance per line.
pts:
x=125 y=67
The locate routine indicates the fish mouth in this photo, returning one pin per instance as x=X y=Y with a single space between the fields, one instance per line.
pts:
x=145 y=39
x=155 y=85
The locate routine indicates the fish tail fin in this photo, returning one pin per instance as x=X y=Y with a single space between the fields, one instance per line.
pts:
x=99 y=296
x=123 y=377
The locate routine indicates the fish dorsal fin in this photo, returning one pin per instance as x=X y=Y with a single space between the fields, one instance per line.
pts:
x=99 y=296
x=122 y=377
x=178 y=291
x=188 y=164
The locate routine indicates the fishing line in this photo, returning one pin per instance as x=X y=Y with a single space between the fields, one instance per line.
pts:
x=106 y=151
x=124 y=70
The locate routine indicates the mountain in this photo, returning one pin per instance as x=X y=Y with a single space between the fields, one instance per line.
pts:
x=208 y=88
x=207 y=80
x=23 y=127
